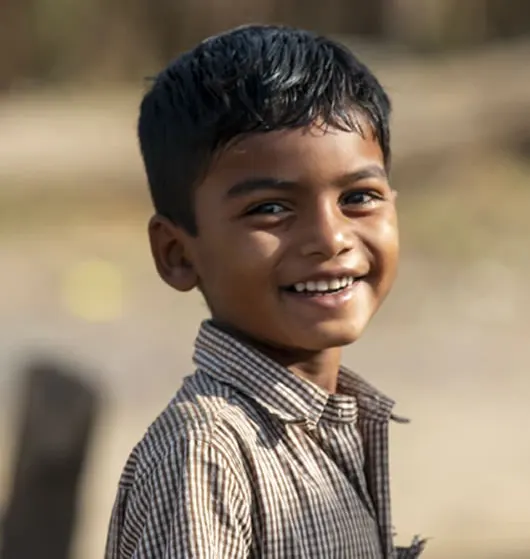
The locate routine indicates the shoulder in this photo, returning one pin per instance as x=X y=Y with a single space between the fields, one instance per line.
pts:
x=202 y=422
x=187 y=454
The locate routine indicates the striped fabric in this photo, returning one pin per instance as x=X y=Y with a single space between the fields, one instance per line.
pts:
x=249 y=460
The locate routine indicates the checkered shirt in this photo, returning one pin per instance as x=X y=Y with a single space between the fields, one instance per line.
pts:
x=249 y=461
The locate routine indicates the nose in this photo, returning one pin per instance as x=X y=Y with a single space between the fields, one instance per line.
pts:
x=327 y=231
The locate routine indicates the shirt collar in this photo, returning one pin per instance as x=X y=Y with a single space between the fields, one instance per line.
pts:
x=283 y=394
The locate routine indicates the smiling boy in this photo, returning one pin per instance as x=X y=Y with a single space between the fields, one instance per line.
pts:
x=267 y=154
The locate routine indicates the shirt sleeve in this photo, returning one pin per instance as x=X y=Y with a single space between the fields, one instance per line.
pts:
x=192 y=506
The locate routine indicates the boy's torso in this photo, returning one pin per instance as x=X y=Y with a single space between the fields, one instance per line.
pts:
x=312 y=467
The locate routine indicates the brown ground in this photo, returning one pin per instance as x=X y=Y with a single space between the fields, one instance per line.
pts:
x=451 y=345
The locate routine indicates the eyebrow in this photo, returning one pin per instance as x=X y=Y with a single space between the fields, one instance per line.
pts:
x=368 y=172
x=249 y=186
x=260 y=183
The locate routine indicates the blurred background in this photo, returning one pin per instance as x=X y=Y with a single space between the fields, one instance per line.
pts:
x=93 y=345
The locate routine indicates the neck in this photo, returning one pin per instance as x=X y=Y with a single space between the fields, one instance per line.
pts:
x=319 y=367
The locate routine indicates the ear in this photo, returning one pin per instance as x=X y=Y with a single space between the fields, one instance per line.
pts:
x=170 y=246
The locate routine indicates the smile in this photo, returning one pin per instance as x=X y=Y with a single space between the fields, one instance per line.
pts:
x=322 y=287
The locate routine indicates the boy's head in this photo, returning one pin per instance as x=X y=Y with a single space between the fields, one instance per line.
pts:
x=267 y=153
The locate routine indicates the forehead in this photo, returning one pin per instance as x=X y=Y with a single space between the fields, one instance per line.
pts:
x=299 y=154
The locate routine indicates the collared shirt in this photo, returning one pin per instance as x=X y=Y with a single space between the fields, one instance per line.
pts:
x=249 y=460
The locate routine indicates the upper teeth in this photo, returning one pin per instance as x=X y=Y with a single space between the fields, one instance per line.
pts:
x=324 y=285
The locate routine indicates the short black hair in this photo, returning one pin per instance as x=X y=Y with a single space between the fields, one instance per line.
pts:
x=256 y=78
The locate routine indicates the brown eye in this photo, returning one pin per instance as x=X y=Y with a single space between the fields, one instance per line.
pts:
x=361 y=198
x=269 y=208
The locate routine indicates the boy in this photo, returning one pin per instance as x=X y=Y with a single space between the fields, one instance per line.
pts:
x=267 y=153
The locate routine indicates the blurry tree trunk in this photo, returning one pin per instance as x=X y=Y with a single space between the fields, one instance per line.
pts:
x=57 y=415
x=505 y=23
x=17 y=45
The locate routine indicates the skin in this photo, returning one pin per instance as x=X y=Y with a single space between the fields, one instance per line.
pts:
x=278 y=208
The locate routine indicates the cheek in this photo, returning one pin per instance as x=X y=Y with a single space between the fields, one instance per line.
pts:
x=238 y=258
x=388 y=236
x=382 y=239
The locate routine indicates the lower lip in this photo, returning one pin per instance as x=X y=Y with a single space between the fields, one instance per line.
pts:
x=333 y=300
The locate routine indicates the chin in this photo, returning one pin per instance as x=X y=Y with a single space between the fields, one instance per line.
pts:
x=322 y=337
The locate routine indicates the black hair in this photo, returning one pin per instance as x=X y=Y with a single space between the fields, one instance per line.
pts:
x=251 y=79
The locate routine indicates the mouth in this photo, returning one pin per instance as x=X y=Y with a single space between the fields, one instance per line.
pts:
x=323 y=287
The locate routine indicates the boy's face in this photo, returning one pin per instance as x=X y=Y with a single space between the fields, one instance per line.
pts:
x=297 y=241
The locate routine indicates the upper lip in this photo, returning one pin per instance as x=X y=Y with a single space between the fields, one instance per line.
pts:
x=327 y=275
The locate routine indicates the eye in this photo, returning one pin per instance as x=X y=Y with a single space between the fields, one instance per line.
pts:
x=268 y=208
x=361 y=198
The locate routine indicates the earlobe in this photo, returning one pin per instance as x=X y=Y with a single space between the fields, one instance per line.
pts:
x=169 y=247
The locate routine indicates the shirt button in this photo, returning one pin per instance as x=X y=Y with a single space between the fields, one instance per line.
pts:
x=310 y=425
